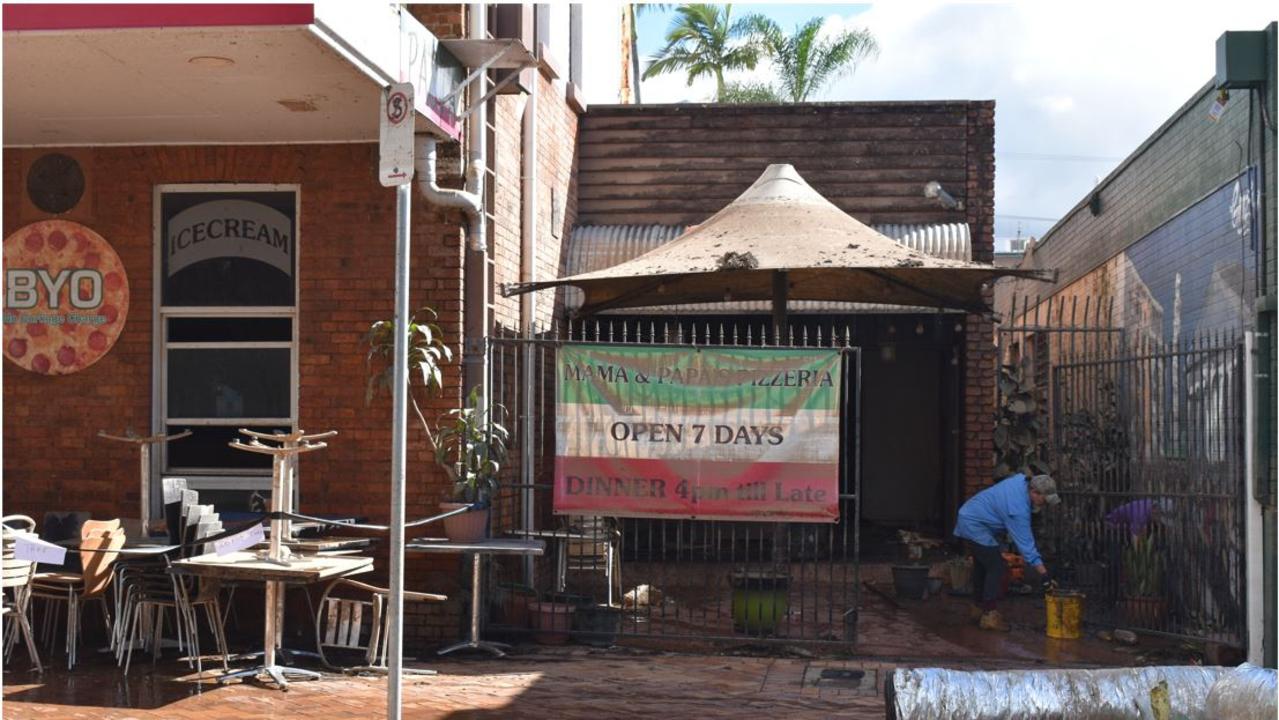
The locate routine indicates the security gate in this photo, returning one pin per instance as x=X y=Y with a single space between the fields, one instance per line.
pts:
x=1149 y=451
x=666 y=579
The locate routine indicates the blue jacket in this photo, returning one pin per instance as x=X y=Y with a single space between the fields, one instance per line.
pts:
x=1002 y=507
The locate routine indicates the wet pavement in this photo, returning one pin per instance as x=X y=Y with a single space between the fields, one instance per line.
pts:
x=751 y=681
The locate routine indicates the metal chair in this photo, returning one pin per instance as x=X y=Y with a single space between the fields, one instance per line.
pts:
x=17 y=524
x=351 y=616
x=16 y=576
x=98 y=541
x=599 y=548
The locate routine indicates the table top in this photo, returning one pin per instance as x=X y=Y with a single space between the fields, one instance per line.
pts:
x=247 y=566
x=322 y=544
x=492 y=546
x=132 y=546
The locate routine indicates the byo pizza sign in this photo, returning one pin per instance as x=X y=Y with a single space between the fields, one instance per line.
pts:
x=66 y=297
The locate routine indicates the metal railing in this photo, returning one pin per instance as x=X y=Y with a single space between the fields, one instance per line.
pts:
x=1149 y=453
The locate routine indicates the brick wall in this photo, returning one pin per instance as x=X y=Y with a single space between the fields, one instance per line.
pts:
x=52 y=459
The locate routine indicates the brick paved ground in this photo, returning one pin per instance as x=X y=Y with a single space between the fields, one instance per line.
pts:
x=579 y=682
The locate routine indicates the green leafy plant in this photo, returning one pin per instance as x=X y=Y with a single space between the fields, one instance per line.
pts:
x=1143 y=569
x=427 y=352
x=1020 y=445
x=471 y=446
x=704 y=40
x=806 y=60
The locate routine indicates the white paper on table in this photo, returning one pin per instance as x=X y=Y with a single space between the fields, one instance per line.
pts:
x=240 y=541
x=30 y=547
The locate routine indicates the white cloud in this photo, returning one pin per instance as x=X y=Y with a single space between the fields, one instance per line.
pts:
x=1074 y=79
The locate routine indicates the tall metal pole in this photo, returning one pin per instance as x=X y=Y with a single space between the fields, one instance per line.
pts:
x=399 y=441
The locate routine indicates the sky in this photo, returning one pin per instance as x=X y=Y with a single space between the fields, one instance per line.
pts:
x=1077 y=86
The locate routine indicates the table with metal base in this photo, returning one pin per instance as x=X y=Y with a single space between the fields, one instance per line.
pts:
x=247 y=566
x=477 y=550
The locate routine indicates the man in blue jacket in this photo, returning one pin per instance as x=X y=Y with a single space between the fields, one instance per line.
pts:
x=1003 y=507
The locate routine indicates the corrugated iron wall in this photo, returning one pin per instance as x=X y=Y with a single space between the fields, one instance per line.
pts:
x=596 y=247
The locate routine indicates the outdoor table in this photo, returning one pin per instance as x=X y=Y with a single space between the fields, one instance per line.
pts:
x=560 y=538
x=477 y=550
x=298 y=569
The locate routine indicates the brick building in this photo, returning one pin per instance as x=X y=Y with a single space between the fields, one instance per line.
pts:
x=275 y=108
x=277 y=112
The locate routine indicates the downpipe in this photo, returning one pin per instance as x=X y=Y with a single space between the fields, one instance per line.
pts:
x=425 y=159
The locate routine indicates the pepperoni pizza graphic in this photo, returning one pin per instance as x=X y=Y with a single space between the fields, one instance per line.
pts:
x=66 y=296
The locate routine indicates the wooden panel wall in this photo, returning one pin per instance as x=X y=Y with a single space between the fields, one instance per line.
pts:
x=679 y=164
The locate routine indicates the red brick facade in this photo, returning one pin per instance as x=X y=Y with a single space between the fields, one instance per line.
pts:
x=346 y=233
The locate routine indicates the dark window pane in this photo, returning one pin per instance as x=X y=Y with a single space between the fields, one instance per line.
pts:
x=228 y=248
x=230 y=329
x=207 y=447
x=250 y=382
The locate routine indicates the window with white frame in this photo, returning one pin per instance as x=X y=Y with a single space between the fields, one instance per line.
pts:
x=226 y=328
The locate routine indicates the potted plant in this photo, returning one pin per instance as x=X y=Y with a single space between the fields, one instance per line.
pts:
x=471 y=446
x=1143 y=604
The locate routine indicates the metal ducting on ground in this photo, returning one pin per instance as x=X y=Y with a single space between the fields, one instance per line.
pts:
x=1154 y=693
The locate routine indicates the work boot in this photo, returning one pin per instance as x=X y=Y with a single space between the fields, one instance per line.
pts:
x=974 y=613
x=992 y=620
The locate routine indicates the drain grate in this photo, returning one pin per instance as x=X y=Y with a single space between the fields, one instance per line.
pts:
x=861 y=682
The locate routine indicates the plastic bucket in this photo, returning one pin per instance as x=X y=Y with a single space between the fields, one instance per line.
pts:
x=1064 y=610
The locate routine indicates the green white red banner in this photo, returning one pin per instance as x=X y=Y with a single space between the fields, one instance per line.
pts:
x=708 y=433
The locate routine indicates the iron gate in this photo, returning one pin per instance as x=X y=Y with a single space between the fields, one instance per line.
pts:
x=1149 y=450
x=666 y=579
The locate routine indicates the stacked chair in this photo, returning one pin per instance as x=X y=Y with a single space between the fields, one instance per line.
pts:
x=99 y=542
x=16 y=582
x=148 y=591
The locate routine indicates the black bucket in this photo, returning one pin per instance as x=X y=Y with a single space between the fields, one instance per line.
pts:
x=596 y=625
x=911 y=581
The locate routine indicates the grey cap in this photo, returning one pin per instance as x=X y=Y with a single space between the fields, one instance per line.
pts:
x=1046 y=486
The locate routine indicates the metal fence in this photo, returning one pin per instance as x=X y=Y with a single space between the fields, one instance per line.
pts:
x=666 y=579
x=1149 y=451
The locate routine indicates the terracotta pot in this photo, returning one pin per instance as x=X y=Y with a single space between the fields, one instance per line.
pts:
x=465 y=527
x=1144 y=612
x=552 y=621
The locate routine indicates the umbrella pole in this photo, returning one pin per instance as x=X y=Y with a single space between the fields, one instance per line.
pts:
x=781 y=293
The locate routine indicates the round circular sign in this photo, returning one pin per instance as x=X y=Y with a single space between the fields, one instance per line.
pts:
x=66 y=297
x=397 y=107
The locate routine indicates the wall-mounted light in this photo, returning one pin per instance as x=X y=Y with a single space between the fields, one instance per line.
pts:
x=934 y=191
x=919 y=328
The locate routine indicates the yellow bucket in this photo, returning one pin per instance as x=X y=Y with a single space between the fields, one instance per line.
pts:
x=1064 y=610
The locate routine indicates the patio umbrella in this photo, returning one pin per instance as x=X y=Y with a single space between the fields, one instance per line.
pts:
x=781 y=240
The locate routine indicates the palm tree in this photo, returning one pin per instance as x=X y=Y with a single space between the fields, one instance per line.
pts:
x=805 y=63
x=703 y=40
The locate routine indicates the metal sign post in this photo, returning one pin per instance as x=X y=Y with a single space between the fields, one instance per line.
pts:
x=396 y=154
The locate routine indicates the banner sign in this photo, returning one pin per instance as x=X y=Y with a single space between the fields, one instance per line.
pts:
x=709 y=433
x=66 y=297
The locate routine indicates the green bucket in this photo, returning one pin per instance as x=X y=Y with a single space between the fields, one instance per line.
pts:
x=760 y=601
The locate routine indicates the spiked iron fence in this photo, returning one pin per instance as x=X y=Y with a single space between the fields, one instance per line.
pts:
x=1146 y=440
x=668 y=579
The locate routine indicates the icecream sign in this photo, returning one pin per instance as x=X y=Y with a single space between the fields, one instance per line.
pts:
x=66 y=297
x=229 y=228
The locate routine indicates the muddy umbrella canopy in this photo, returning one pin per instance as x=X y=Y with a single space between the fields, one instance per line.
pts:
x=781 y=240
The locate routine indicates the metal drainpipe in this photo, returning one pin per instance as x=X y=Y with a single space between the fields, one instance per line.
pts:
x=424 y=174
x=528 y=306
x=475 y=265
